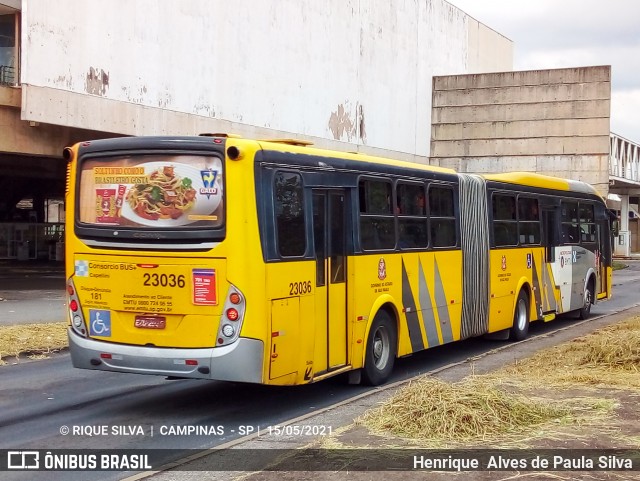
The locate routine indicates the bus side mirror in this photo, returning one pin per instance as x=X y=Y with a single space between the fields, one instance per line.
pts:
x=615 y=228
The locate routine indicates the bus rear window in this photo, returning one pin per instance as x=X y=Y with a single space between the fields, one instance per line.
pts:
x=155 y=191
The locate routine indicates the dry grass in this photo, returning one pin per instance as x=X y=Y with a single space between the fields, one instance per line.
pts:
x=36 y=340
x=430 y=408
x=485 y=407
x=608 y=357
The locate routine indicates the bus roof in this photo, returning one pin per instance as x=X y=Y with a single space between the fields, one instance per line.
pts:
x=531 y=179
x=543 y=181
x=303 y=147
x=294 y=147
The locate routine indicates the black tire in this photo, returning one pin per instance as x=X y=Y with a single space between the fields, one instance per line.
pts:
x=588 y=301
x=381 y=350
x=520 y=328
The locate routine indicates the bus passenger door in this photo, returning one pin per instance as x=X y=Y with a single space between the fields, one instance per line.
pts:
x=329 y=231
x=603 y=252
x=549 y=241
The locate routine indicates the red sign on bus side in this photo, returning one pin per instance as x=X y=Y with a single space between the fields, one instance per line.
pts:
x=204 y=287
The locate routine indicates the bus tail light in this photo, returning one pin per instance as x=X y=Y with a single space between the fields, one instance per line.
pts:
x=228 y=330
x=76 y=318
x=232 y=317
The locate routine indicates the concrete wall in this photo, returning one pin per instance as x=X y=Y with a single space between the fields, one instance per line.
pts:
x=9 y=6
x=350 y=74
x=18 y=136
x=488 y=51
x=549 y=121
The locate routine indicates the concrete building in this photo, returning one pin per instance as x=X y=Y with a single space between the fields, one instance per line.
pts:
x=554 y=122
x=349 y=75
x=266 y=68
x=624 y=189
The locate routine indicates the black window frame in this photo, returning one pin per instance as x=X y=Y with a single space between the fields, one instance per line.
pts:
x=593 y=231
x=151 y=239
x=569 y=226
x=507 y=225
x=303 y=213
x=448 y=218
x=522 y=222
x=411 y=216
x=365 y=215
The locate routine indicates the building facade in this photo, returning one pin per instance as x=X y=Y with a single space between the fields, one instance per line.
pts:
x=417 y=80
x=349 y=75
x=554 y=122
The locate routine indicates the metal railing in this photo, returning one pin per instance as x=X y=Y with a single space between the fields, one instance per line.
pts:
x=28 y=241
x=7 y=75
x=624 y=158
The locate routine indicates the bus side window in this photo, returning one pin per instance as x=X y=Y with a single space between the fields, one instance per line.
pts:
x=587 y=223
x=377 y=224
x=289 y=209
x=412 y=216
x=568 y=235
x=442 y=217
x=528 y=220
x=505 y=226
x=570 y=227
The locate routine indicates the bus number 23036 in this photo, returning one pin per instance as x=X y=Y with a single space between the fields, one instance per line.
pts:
x=164 y=280
x=297 y=288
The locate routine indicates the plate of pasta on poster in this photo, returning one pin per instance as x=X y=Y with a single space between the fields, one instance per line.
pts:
x=173 y=194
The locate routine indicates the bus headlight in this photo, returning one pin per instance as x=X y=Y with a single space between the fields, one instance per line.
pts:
x=227 y=330
x=77 y=321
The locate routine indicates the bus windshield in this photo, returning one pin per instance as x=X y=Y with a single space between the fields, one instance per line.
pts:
x=158 y=192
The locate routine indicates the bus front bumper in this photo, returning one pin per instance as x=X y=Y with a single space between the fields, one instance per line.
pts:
x=240 y=361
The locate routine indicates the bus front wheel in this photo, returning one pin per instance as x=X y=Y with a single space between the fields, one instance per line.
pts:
x=381 y=349
x=520 y=328
x=584 y=312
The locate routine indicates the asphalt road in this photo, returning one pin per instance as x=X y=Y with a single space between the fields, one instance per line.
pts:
x=39 y=400
x=31 y=292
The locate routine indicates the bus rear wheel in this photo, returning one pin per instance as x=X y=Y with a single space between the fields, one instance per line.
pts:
x=381 y=350
x=520 y=328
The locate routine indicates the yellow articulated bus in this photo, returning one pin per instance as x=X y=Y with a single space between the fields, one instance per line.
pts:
x=273 y=262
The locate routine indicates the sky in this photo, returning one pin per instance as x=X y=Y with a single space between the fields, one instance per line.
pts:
x=574 y=33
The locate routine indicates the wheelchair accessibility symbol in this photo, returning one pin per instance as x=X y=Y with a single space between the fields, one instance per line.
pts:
x=99 y=323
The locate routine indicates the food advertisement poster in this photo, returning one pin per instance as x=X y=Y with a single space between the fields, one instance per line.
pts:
x=153 y=191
